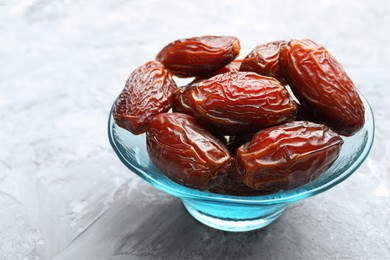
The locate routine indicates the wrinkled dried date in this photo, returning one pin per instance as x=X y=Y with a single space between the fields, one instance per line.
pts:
x=322 y=86
x=264 y=60
x=185 y=152
x=241 y=102
x=287 y=156
x=148 y=91
x=199 y=56
x=232 y=99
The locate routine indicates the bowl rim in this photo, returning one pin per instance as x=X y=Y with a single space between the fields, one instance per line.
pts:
x=281 y=197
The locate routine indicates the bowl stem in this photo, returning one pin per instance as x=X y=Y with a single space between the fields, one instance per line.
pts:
x=233 y=217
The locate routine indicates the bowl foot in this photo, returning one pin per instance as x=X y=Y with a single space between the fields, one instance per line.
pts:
x=244 y=222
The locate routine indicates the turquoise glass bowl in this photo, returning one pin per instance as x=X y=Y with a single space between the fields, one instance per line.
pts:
x=241 y=213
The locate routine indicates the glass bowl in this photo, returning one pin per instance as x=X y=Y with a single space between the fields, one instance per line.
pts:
x=240 y=213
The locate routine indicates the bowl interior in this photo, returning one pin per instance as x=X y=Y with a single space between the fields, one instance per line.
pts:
x=131 y=150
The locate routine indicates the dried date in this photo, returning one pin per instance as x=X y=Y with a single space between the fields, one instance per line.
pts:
x=287 y=156
x=264 y=60
x=322 y=86
x=148 y=91
x=199 y=56
x=185 y=152
x=241 y=102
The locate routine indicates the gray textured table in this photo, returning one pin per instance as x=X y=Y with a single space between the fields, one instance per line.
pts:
x=65 y=195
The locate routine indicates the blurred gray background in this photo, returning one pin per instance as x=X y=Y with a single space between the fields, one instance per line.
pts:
x=65 y=195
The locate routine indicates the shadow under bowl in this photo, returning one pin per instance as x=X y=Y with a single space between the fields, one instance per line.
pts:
x=241 y=213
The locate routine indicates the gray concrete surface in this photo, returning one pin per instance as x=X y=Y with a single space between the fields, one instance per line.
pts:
x=65 y=195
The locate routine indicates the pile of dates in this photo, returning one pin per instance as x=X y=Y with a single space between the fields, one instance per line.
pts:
x=269 y=122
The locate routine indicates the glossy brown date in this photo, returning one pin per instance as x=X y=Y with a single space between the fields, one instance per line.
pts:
x=264 y=60
x=148 y=91
x=185 y=152
x=241 y=102
x=322 y=86
x=287 y=156
x=181 y=102
x=199 y=56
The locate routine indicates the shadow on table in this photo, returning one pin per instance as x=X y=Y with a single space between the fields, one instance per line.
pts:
x=147 y=224
x=172 y=233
